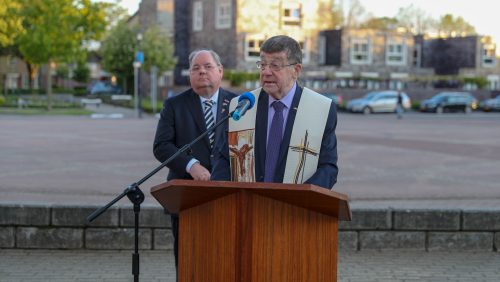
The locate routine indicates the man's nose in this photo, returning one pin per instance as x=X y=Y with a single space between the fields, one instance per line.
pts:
x=266 y=71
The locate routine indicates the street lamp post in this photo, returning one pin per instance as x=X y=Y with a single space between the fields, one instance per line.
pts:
x=139 y=59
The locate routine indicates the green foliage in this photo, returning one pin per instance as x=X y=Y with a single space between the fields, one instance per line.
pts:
x=480 y=82
x=414 y=19
x=120 y=46
x=62 y=71
x=450 y=25
x=2 y=100
x=82 y=72
x=44 y=112
x=383 y=23
x=237 y=78
x=158 y=50
x=118 y=49
x=10 y=22
x=148 y=107
x=55 y=30
x=40 y=101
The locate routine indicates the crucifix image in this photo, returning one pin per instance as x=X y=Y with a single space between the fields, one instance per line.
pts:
x=241 y=156
x=304 y=150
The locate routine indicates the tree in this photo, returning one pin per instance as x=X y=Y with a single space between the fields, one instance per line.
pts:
x=81 y=72
x=10 y=22
x=354 y=14
x=120 y=46
x=414 y=19
x=118 y=50
x=383 y=23
x=450 y=26
x=158 y=50
x=55 y=31
x=328 y=15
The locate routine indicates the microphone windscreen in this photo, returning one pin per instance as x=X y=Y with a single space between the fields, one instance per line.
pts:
x=248 y=96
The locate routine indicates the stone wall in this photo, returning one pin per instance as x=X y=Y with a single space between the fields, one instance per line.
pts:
x=65 y=227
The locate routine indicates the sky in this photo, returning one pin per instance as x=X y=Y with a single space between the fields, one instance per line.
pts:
x=482 y=14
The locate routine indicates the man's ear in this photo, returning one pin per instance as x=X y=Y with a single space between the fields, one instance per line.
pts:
x=298 y=69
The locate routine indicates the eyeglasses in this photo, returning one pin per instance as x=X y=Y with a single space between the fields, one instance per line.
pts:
x=272 y=66
x=207 y=67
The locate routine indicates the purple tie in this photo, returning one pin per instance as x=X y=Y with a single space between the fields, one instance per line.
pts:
x=274 y=141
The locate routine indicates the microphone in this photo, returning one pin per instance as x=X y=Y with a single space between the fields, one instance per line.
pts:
x=245 y=102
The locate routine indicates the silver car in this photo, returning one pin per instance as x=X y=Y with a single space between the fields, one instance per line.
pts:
x=491 y=104
x=378 y=102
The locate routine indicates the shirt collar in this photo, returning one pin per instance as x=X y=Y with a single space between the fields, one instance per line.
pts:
x=288 y=99
x=214 y=98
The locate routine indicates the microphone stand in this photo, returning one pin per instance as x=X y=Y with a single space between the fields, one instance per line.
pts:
x=136 y=196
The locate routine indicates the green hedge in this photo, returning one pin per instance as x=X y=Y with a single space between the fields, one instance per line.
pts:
x=39 y=101
x=237 y=78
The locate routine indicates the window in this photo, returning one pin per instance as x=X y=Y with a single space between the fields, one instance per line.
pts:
x=395 y=54
x=488 y=55
x=197 y=16
x=417 y=58
x=252 y=48
x=12 y=62
x=291 y=14
x=360 y=51
x=322 y=50
x=223 y=15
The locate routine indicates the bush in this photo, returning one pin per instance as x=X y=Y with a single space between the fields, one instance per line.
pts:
x=480 y=82
x=80 y=91
x=237 y=78
x=2 y=100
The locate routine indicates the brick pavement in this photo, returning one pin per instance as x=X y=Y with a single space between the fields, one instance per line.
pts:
x=425 y=159
x=58 y=265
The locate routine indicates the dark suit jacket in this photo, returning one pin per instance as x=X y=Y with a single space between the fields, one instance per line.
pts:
x=326 y=173
x=181 y=121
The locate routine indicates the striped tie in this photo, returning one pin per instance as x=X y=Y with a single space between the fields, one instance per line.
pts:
x=209 y=120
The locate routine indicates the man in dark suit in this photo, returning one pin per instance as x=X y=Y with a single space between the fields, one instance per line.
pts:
x=280 y=66
x=186 y=116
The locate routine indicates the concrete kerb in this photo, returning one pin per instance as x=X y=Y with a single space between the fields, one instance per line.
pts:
x=65 y=227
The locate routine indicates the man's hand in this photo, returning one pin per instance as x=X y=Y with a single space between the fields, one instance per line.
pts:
x=199 y=172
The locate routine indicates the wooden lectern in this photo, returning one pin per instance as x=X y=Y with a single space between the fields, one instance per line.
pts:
x=234 y=231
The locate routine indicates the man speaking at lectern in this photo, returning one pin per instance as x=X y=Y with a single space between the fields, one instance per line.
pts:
x=289 y=135
x=186 y=116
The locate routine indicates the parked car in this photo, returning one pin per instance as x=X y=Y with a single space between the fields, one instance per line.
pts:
x=378 y=102
x=337 y=99
x=101 y=87
x=449 y=102
x=491 y=104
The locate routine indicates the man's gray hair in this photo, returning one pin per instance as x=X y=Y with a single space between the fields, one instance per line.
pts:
x=282 y=43
x=215 y=56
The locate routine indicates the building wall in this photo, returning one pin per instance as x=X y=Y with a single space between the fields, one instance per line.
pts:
x=221 y=40
x=448 y=55
x=261 y=19
x=157 y=12
x=14 y=74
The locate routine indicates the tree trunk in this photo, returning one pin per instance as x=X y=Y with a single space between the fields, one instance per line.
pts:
x=49 y=85
x=32 y=71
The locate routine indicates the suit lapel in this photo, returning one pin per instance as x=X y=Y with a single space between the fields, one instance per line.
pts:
x=261 y=135
x=222 y=109
x=285 y=143
x=194 y=105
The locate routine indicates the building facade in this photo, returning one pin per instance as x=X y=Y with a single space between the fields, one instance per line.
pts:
x=467 y=57
x=235 y=29
x=369 y=58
